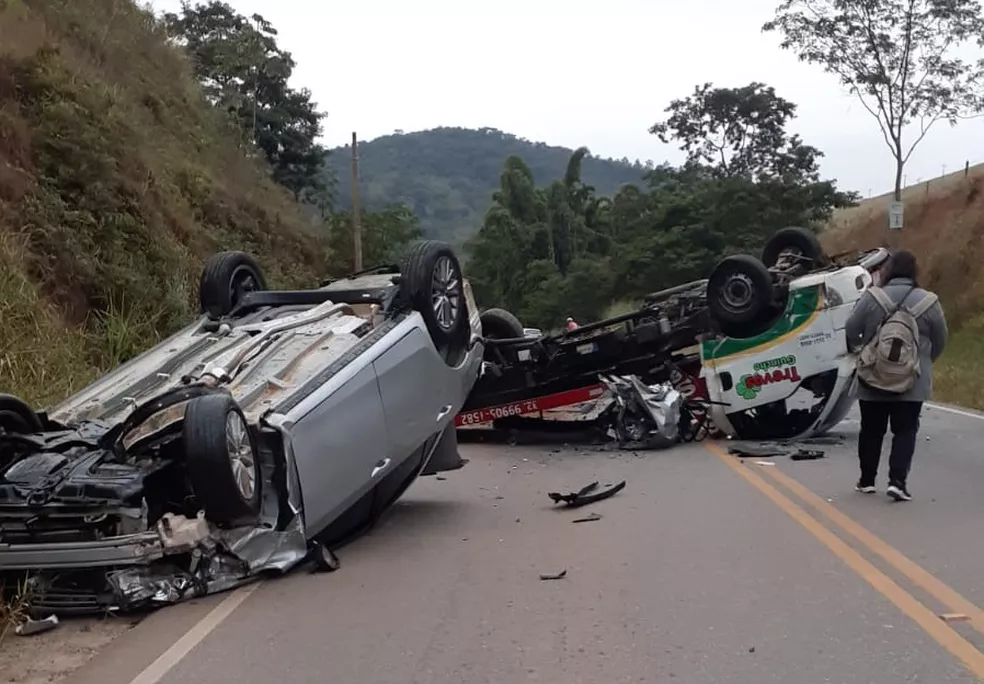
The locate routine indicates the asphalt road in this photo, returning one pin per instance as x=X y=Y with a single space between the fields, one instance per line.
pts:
x=706 y=568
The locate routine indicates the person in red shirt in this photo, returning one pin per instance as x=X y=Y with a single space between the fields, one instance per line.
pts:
x=571 y=324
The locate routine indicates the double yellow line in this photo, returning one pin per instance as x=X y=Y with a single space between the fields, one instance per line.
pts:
x=937 y=628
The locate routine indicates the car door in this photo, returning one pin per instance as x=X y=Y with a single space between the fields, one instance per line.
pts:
x=417 y=393
x=339 y=447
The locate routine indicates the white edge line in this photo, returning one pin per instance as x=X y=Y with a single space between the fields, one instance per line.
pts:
x=194 y=636
x=959 y=412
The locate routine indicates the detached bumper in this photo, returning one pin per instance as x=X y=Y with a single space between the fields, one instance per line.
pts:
x=133 y=549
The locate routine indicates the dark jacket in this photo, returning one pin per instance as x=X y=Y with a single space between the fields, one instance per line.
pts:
x=868 y=315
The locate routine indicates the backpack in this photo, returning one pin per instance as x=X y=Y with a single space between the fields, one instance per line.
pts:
x=889 y=362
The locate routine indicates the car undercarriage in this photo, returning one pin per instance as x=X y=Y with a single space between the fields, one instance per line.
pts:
x=269 y=431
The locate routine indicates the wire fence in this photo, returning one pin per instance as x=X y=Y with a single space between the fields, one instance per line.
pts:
x=961 y=174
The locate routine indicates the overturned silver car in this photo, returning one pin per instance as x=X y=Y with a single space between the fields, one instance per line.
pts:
x=276 y=426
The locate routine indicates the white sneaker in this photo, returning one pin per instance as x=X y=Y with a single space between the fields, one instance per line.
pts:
x=898 y=493
x=864 y=489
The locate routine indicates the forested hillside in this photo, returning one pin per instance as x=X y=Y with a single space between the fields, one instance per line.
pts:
x=446 y=176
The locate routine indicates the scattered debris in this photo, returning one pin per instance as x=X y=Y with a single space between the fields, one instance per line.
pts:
x=584 y=497
x=828 y=440
x=643 y=416
x=765 y=463
x=587 y=518
x=31 y=627
x=560 y=575
x=795 y=453
x=750 y=451
x=954 y=617
x=806 y=455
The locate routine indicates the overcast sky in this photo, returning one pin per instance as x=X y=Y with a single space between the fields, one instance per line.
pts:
x=573 y=73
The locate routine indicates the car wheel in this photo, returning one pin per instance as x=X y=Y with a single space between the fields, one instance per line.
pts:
x=226 y=277
x=17 y=417
x=431 y=280
x=800 y=243
x=324 y=558
x=739 y=290
x=499 y=324
x=222 y=460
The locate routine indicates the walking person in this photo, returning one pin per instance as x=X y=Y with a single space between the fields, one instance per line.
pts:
x=900 y=330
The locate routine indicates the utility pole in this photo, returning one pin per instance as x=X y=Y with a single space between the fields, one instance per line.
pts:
x=356 y=219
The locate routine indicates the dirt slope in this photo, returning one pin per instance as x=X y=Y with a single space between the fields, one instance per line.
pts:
x=116 y=181
x=944 y=227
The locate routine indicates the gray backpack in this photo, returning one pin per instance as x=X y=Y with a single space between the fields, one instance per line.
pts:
x=890 y=360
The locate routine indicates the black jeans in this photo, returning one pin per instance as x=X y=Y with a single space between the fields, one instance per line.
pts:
x=876 y=416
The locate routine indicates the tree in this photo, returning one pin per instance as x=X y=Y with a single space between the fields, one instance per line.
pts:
x=245 y=73
x=739 y=132
x=448 y=174
x=385 y=236
x=899 y=57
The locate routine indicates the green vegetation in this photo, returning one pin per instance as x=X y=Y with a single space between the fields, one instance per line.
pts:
x=244 y=72
x=549 y=252
x=446 y=176
x=116 y=180
x=124 y=164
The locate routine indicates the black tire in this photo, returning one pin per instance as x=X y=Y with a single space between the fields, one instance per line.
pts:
x=226 y=277
x=324 y=558
x=801 y=241
x=739 y=290
x=499 y=324
x=17 y=417
x=427 y=264
x=220 y=479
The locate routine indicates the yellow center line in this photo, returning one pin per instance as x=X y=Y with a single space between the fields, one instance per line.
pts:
x=913 y=572
x=936 y=628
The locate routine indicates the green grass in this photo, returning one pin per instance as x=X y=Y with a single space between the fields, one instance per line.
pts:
x=117 y=180
x=41 y=358
x=958 y=377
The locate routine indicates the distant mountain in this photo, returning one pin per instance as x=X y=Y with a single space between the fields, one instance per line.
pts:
x=447 y=175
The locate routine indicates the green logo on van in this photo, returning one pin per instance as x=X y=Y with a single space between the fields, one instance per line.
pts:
x=743 y=389
x=779 y=369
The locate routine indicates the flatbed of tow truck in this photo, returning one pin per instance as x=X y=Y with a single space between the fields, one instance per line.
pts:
x=744 y=299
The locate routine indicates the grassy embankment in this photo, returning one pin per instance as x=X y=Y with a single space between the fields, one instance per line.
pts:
x=116 y=181
x=944 y=227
